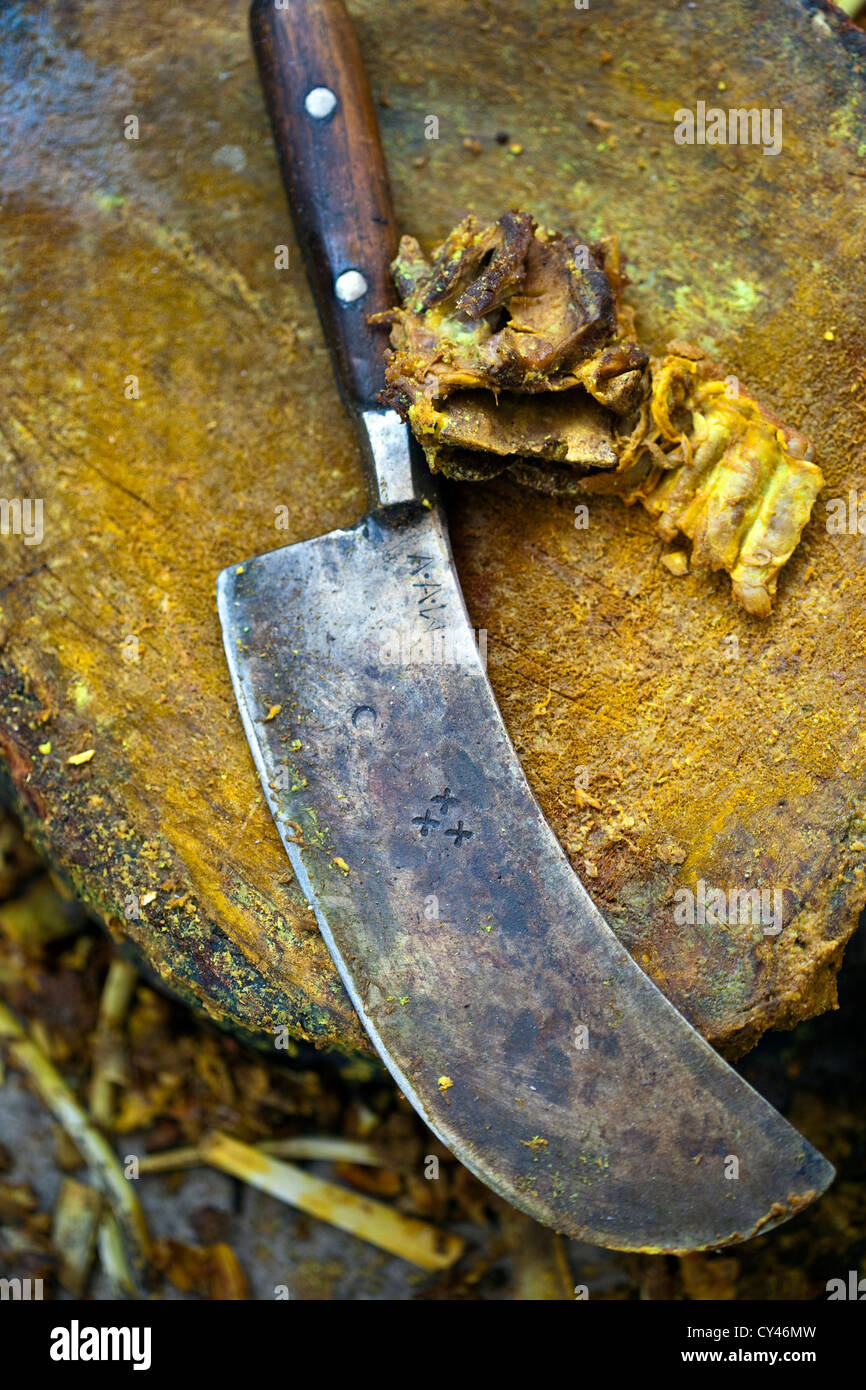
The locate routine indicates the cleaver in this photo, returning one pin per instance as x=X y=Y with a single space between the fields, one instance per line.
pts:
x=500 y=1000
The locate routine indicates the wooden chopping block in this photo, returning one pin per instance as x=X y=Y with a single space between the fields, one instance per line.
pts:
x=165 y=391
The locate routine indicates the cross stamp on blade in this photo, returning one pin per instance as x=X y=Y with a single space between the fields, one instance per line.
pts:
x=425 y=822
x=443 y=801
x=446 y=799
x=459 y=833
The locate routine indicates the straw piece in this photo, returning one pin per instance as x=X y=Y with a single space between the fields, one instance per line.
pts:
x=321 y=1148
x=110 y=1063
x=372 y=1221
x=324 y=1149
x=105 y=1169
x=114 y=1260
x=168 y=1160
x=77 y=1214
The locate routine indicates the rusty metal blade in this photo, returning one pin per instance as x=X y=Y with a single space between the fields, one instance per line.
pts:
x=503 y=1004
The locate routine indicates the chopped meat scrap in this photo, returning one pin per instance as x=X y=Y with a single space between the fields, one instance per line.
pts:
x=727 y=474
x=519 y=312
x=513 y=351
x=567 y=427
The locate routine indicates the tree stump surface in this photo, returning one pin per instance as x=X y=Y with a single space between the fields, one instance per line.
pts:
x=664 y=752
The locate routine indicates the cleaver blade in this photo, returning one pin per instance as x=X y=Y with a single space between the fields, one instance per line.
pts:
x=503 y=1004
x=505 y=1007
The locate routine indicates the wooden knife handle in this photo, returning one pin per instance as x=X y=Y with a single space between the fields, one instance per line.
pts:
x=333 y=169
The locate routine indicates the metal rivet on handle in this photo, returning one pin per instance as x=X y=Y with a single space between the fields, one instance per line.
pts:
x=349 y=286
x=319 y=102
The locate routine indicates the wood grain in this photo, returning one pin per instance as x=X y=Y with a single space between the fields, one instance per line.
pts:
x=155 y=258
